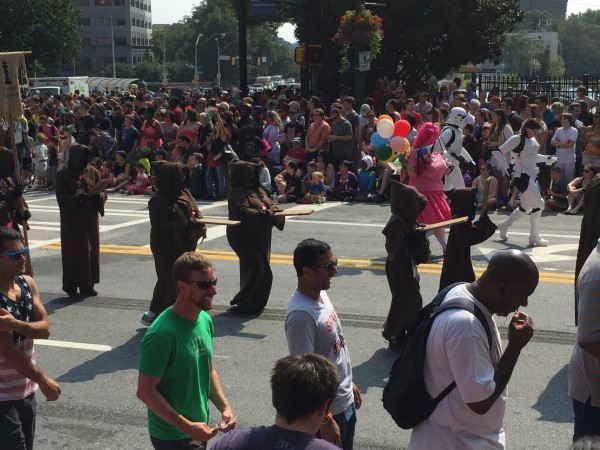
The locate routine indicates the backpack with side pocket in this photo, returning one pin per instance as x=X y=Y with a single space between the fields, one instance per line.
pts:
x=405 y=397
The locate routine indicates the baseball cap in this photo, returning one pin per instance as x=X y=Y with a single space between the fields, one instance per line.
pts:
x=297 y=139
x=223 y=105
x=292 y=164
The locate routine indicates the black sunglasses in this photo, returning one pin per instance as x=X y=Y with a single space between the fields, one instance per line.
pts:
x=329 y=267
x=205 y=285
x=17 y=255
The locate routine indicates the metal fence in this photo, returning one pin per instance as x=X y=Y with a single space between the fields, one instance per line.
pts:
x=562 y=87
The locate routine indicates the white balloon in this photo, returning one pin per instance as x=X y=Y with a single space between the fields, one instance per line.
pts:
x=385 y=128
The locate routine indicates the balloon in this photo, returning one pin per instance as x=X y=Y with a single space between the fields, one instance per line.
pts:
x=407 y=148
x=377 y=140
x=398 y=144
x=401 y=128
x=384 y=116
x=385 y=128
x=384 y=153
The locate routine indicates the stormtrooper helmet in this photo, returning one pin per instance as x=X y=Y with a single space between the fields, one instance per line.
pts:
x=457 y=117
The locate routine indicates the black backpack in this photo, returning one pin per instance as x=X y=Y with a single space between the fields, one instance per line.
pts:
x=404 y=395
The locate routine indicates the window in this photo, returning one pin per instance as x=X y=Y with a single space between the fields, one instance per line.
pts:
x=85 y=21
x=133 y=21
x=121 y=22
x=137 y=3
x=120 y=41
x=103 y=21
x=104 y=42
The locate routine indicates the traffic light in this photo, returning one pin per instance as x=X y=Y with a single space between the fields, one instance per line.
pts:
x=316 y=55
x=299 y=53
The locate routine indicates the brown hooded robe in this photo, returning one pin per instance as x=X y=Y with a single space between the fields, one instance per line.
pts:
x=406 y=204
x=251 y=240
x=13 y=208
x=79 y=221
x=170 y=210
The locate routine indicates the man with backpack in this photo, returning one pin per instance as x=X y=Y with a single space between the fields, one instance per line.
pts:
x=458 y=349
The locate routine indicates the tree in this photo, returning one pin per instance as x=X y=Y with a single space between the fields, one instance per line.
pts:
x=579 y=38
x=49 y=29
x=556 y=67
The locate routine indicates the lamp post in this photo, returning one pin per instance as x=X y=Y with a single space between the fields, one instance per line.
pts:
x=218 y=64
x=196 y=57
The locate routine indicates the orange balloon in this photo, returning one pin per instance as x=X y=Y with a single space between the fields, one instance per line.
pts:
x=384 y=116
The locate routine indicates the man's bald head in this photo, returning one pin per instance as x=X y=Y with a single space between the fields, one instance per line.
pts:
x=510 y=278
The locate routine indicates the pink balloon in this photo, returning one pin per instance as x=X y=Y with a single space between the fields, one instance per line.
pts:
x=401 y=128
x=398 y=144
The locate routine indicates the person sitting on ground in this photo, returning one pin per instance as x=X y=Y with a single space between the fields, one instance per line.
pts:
x=316 y=193
x=140 y=187
x=311 y=167
x=576 y=188
x=345 y=185
x=264 y=176
x=289 y=183
x=479 y=185
x=302 y=388
x=556 y=194
x=366 y=179
x=296 y=152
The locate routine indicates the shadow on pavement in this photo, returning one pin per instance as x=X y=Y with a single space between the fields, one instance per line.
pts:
x=554 y=403
x=123 y=357
x=374 y=371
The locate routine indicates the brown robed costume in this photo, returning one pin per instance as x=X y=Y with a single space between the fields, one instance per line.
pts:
x=13 y=208
x=251 y=240
x=79 y=222
x=172 y=209
x=406 y=205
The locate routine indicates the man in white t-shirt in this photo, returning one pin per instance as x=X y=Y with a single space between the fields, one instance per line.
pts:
x=312 y=325
x=471 y=416
x=564 y=140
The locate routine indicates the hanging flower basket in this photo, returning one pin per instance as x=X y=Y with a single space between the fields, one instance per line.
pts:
x=358 y=28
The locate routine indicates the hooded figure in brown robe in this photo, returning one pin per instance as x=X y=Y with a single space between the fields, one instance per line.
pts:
x=172 y=212
x=251 y=240
x=406 y=205
x=13 y=209
x=590 y=228
x=457 y=265
x=79 y=223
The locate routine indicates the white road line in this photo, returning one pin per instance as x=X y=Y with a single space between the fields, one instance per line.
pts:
x=104 y=228
x=77 y=345
x=326 y=222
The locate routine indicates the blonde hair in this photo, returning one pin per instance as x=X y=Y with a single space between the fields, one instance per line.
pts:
x=318 y=175
x=275 y=118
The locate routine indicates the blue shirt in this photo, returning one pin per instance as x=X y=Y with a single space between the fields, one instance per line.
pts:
x=128 y=138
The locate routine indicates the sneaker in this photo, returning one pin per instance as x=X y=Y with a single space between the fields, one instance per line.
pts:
x=111 y=191
x=503 y=232
x=147 y=318
x=123 y=191
x=538 y=241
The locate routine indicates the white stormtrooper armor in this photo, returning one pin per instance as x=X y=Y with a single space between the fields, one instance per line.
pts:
x=450 y=145
x=524 y=159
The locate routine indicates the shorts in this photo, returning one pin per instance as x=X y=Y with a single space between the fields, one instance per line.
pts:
x=27 y=163
x=40 y=169
x=179 y=444
x=17 y=423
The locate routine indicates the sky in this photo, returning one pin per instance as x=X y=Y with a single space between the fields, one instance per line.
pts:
x=171 y=11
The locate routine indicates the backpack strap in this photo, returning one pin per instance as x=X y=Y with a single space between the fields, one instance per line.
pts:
x=458 y=303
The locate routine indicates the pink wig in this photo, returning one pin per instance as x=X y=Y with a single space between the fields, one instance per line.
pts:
x=426 y=135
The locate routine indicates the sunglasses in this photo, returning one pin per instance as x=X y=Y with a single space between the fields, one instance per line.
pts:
x=17 y=255
x=329 y=267
x=204 y=285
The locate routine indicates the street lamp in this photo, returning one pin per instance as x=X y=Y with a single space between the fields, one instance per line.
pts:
x=218 y=64
x=196 y=51
x=196 y=57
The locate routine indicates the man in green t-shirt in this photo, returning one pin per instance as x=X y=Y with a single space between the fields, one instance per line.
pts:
x=176 y=375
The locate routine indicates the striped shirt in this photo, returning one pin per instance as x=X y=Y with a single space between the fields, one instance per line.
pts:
x=584 y=368
x=13 y=385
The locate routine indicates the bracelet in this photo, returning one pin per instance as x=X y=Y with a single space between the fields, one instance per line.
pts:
x=328 y=418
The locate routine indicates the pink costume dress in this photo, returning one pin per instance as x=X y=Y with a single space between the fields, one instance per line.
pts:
x=429 y=183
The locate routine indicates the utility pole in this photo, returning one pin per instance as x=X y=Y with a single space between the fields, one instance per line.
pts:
x=112 y=39
x=359 y=77
x=304 y=37
x=196 y=57
x=243 y=66
x=218 y=64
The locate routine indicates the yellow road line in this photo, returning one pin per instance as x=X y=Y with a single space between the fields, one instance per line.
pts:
x=227 y=255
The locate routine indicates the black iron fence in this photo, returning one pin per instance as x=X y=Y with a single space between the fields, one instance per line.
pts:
x=563 y=88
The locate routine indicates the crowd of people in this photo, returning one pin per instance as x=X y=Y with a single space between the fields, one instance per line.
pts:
x=276 y=148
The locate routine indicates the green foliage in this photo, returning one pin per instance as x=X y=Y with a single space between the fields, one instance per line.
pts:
x=579 y=38
x=519 y=52
x=49 y=29
x=556 y=67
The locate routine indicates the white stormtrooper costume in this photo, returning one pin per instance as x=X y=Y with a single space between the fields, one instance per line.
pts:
x=450 y=145
x=524 y=160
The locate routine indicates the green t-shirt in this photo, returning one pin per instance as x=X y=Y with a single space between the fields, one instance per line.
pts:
x=180 y=353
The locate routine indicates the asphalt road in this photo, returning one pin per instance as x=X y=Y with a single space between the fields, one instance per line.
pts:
x=94 y=347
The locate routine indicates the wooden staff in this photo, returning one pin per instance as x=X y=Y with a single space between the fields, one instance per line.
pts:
x=446 y=223
x=28 y=266
x=296 y=212
x=217 y=221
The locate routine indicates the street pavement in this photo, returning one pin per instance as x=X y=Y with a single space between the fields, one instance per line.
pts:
x=94 y=347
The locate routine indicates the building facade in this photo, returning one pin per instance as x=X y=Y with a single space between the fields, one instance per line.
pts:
x=556 y=8
x=128 y=21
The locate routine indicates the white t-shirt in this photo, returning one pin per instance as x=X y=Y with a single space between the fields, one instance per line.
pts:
x=457 y=349
x=315 y=327
x=566 y=155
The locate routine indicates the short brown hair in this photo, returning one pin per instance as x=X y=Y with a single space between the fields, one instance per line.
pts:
x=190 y=262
